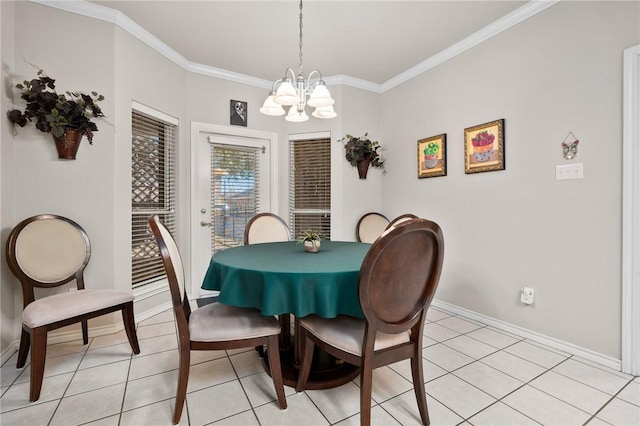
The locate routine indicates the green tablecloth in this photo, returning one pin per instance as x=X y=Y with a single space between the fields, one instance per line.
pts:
x=280 y=278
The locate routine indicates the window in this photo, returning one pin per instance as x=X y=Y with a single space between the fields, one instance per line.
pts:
x=152 y=189
x=310 y=184
x=235 y=184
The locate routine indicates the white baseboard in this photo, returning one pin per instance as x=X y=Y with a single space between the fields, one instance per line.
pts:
x=552 y=342
x=8 y=351
x=151 y=312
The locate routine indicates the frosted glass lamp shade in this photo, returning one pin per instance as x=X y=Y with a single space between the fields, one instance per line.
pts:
x=320 y=97
x=324 y=112
x=296 y=116
x=270 y=107
x=286 y=94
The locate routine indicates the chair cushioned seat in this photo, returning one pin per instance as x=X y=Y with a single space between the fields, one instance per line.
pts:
x=347 y=333
x=216 y=322
x=61 y=306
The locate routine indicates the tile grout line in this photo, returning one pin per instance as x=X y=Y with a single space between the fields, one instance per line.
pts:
x=546 y=370
x=126 y=385
x=611 y=399
x=70 y=380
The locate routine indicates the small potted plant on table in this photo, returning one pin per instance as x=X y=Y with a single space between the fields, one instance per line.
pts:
x=311 y=240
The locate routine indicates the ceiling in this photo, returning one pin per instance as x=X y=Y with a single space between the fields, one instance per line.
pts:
x=368 y=40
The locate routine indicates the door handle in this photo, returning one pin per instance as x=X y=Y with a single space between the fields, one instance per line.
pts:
x=205 y=223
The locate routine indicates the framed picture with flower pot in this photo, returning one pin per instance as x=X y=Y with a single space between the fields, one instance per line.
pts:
x=432 y=156
x=484 y=147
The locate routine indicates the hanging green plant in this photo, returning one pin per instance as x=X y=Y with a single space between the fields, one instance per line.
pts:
x=362 y=148
x=54 y=113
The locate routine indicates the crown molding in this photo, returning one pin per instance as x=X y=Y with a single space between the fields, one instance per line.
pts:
x=229 y=75
x=522 y=13
x=358 y=83
x=115 y=17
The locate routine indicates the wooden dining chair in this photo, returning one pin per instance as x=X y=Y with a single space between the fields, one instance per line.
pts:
x=370 y=226
x=48 y=251
x=266 y=228
x=213 y=326
x=400 y=219
x=397 y=281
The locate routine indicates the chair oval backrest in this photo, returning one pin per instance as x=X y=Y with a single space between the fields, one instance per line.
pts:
x=171 y=259
x=400 y=274
x=48 y=250
x=266 y=228
x=400 y=219
x=370 y=226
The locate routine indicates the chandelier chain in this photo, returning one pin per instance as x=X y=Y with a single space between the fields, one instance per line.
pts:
x=297 y=93
x=300 y=65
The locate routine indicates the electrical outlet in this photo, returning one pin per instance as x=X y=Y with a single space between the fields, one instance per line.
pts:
x=527 y=295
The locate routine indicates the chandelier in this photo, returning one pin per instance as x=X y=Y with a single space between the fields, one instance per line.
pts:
x=293 y=91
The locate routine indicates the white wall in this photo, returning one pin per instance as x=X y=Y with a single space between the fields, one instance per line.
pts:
x=557 y=72
x=94 y=190
x=9 y=291
x=360 y=115
x=38 y=182
x=143 y=75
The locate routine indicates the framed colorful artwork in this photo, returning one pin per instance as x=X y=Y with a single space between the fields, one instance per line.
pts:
x=484 y=147
x=432 y=156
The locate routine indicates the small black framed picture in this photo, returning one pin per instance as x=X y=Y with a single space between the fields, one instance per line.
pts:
x=238 y=110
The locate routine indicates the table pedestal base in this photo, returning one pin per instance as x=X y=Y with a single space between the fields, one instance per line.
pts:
x=326 y=371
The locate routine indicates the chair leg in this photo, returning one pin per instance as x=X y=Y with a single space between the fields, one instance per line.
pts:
x=183 y=380
x=85 y=332
x=25 y=342
x=260 y=350
x=307 y=358
x=273 y=349
x=418 y=387
x=38 y=356
x=366 y=385
x=130 y=327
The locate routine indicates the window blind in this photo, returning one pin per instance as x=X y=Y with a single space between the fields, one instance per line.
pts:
x=310 y=186
x=152 y=192
x=235 y=186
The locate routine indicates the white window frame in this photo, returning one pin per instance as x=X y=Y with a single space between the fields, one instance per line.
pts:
x=301 y=137
x=156 y=286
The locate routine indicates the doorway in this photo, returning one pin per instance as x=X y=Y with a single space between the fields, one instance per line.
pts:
x=222 y=194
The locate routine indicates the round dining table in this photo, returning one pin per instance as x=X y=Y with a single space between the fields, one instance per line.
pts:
x=281 y=278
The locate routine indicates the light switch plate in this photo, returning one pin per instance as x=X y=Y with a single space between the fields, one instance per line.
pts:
x=569 y=171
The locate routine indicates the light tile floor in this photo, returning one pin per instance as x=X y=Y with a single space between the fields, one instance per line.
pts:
x=474 y=375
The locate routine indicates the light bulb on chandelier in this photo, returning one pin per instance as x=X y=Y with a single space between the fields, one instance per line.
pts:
x=297 y=92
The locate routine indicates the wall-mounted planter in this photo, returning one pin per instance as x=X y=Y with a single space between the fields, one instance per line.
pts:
x=363 y=168
x=68 y=144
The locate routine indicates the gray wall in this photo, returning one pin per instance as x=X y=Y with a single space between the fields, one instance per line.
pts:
x=8 y=289
x=95 y=189
x=559 y=71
